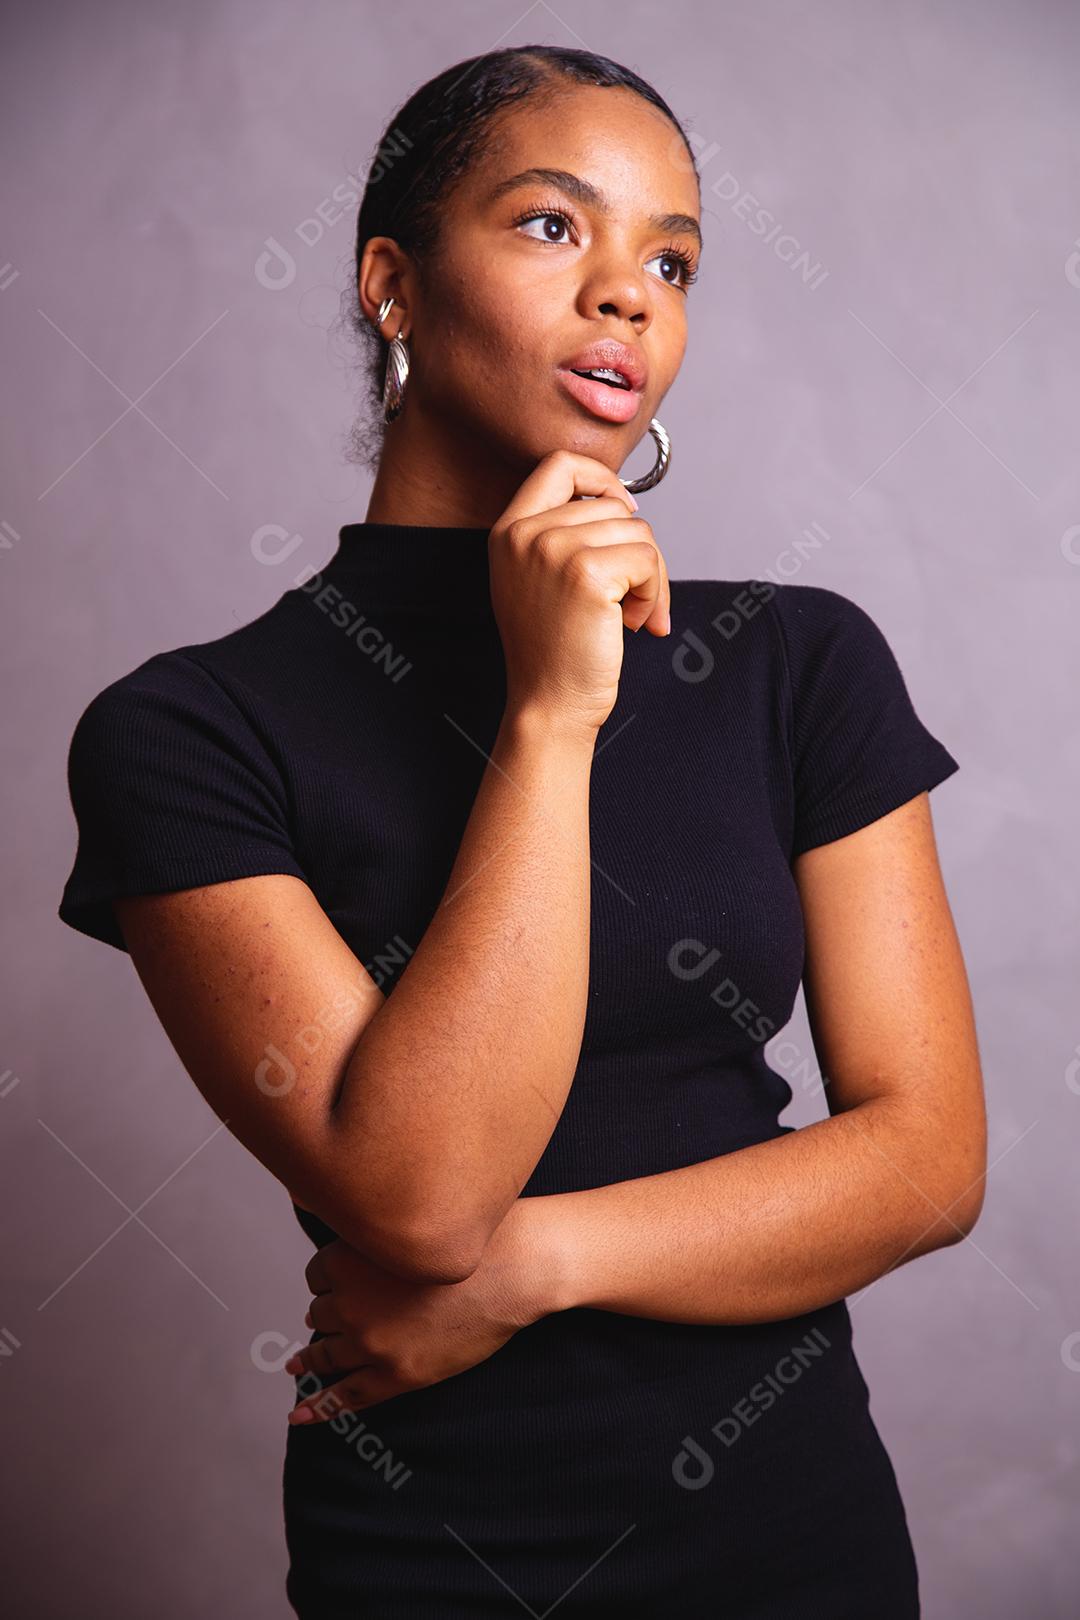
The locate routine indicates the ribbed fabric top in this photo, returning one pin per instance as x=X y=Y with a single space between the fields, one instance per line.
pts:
x=411 y=564
x=341 y=736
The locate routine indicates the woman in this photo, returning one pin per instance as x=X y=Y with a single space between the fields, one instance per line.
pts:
x=471 y=915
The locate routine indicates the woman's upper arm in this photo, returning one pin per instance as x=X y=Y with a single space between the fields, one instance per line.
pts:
x=264 y=1003
x=887 y=992
x=886 y=988
x=188 y=859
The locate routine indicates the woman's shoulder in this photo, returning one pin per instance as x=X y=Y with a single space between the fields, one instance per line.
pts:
x=148 y=710
x=207 y=675
x=750 y=596
x=175 y=781
x=193 y=711
x=802 y=618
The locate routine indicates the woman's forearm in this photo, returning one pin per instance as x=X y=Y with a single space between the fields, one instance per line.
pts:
x=759 y=1234
x=459 y=1079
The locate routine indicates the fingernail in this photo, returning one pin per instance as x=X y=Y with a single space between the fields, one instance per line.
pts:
x=293 y=1365
x=633 y=501
x=301 y=1414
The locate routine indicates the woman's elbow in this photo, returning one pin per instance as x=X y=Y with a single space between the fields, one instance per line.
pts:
x=972 y=1178
x=962 y=1201
x=421 y=1252
x=965 y=1210
x=437 y=1257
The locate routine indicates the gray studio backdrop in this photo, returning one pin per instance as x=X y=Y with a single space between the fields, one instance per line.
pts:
x=880 y=395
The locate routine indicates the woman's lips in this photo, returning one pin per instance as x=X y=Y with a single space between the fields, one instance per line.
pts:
x=612 y=404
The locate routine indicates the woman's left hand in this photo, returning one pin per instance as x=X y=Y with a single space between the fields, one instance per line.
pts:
x=390 y=1334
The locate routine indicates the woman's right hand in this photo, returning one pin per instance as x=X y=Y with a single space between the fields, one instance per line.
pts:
x=566 y=576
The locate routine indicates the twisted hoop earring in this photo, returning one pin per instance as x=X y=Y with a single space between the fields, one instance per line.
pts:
x=397 y=368
x=659 y=467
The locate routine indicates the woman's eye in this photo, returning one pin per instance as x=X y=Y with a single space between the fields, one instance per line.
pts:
x=680 y=266
x=556 y=220
x=552 y=224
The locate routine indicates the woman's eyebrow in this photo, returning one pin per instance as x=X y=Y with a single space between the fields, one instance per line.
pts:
x=590 y=197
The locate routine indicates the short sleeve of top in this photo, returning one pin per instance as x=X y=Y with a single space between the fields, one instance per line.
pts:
x=857 y=747
x=172 y=788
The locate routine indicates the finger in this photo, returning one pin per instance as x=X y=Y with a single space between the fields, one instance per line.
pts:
x=594 y=513
x=315 y=1273
x=605 y=509
x=560 y=476
x=349 y=1394
x=630 y=571
x=575 y=512
x=642 y=602
x=322 y=1356
x=658 y=619
x=323 y=1314
x=659 y=622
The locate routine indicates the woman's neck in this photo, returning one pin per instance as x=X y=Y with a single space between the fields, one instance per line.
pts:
x=425 y=479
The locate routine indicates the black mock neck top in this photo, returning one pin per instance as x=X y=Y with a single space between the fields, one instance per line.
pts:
x=618 y=1465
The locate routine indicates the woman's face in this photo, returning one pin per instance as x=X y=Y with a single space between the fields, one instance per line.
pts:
x=511 y=301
